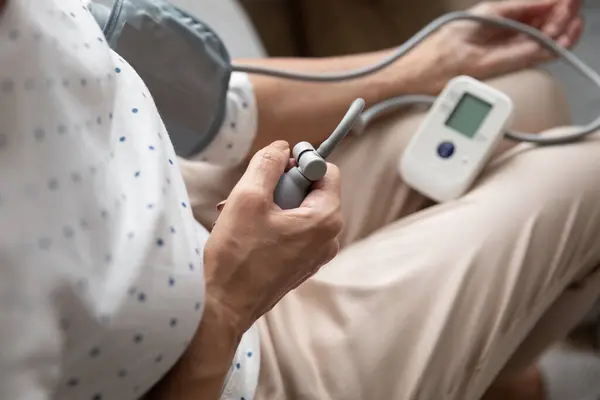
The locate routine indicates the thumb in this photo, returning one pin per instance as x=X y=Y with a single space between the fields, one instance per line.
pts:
x=328 y=189
x=266 y=167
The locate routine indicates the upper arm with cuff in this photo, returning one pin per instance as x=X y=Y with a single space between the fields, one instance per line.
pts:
x=232 y=144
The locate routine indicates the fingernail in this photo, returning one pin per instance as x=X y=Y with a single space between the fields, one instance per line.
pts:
x=221 y=205
x=552 y=30
x=563 y=41
x=281 y=145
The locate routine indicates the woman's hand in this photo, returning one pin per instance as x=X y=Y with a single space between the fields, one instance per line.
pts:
x=257 y=252
x=484 y=51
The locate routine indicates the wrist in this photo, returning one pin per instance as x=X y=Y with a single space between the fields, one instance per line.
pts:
x=424 y=70
x=200 y=372
x=215 y=342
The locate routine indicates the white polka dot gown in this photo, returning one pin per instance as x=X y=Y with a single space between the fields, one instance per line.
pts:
x=101 y=276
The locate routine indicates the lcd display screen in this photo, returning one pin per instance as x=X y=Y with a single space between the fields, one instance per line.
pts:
x=469 y=114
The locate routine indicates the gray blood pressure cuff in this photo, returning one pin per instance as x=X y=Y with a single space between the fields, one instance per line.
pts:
x=182 y=61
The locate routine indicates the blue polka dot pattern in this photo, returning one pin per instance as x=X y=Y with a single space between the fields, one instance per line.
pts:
x=53 y=184
x=44 y=243
x=114 y=222
x=39 y=134
x=68 y=232
x=95 y=352
x=7 y=85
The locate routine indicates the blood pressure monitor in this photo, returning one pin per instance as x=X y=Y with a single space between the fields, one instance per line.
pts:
x=456 y=139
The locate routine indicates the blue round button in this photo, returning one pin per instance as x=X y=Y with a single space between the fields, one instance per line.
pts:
x=445 y=149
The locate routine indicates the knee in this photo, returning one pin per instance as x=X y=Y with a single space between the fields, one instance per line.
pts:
x=540 y=100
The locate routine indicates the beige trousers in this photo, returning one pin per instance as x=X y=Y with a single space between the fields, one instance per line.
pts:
x=433 y=302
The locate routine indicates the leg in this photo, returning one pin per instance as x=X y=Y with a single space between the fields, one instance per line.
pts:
x=433 y=306
x=520 y=378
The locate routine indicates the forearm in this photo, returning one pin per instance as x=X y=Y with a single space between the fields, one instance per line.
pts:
x=201 y=371
x=296 y=111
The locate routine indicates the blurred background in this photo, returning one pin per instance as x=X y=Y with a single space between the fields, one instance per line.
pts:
x=316 y=28
x=584 y=100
